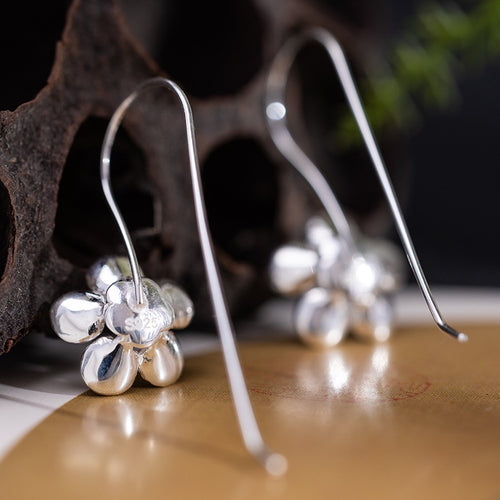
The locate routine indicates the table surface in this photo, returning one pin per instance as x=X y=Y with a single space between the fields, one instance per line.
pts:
x=414 y=418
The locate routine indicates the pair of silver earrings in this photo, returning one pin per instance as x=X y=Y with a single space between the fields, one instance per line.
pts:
x=338 y=276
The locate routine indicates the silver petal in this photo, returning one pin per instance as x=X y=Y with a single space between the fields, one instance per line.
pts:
x=319 y=232
x=180 y=301
x=333 y=258
x=162 y=363
x=109 y=366
x=143 y=323
x=322 y=317
x=392 y=264
x=332 y=254
x=293 y=269
x=78 y=316
x=374 y=323
x=361 y=280
x=107 y=271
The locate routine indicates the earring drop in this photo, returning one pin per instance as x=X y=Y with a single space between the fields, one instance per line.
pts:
x=142 y=342
x=346 y=285
x=141 y=313
x=339 y=291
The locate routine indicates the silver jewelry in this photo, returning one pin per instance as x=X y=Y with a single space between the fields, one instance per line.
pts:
x=323 y=316
x=141 y=313
x=341 y=292
x=143 y=341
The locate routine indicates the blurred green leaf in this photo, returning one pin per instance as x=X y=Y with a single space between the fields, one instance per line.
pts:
x=443 y=42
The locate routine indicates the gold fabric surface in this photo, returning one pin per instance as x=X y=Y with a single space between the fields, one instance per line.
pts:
x=418 y=417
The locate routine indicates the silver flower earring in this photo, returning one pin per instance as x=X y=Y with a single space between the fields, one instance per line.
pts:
x=340 y=290
x=346 y=285
x=141 y=313
x=140 y=322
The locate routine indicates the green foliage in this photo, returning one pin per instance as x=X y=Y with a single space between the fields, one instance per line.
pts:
x=443 y=42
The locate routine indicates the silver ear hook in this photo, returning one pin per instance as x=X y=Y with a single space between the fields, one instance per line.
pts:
x=273 y=462
x=276 y=118
x=107 y=145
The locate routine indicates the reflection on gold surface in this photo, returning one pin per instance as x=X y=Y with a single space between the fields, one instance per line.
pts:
x=112 y=439
x=361 y=374
x=140 y=426
x=338 y=375
x=408 y=426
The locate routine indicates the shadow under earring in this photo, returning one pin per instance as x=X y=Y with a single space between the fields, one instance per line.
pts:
x=345 y=286
x=138 y=310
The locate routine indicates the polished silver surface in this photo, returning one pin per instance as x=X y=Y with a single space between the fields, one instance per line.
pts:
x=180 y=301
x=273 y=462
x=322 y=318
x=361 y=279
x=161 y=364
x=347 y=292
x=318 y=232
x=374 y=323
x=333 y=256
x=143 y=323
x=392 y=263
x=292 y=270
x=78 y=317
x=107 y=271
x=107 y=146
x=134 y=307
x=276 y=114
x=109 y=366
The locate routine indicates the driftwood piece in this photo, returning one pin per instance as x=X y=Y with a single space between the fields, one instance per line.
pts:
x=53 y=218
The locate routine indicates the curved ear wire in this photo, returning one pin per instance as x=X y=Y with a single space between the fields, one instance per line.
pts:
x=276 y=118
x=273 y=462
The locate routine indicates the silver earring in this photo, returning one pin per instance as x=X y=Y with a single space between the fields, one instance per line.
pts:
x=142 y=323
x=346 y=286
x=141 y=313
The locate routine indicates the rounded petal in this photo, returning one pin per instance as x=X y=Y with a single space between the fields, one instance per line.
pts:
x=180 y=301
x=374 y=323
x=78 y=316
x=107 y=271
x=109 y=366
x=332 y=261
x=332 y=254
x=392 y=264
x=143 y=323
x=322 y=317
x=361 y=280
x=319 y=232
x=162 y=363
x=293 y=269
x=321 y=236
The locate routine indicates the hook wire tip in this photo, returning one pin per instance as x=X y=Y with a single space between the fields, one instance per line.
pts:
x=461 y=337
x=274 y=463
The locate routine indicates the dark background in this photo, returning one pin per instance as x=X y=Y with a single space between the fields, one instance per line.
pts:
x=453 y=205
x=453 y=208
x=452 y=174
